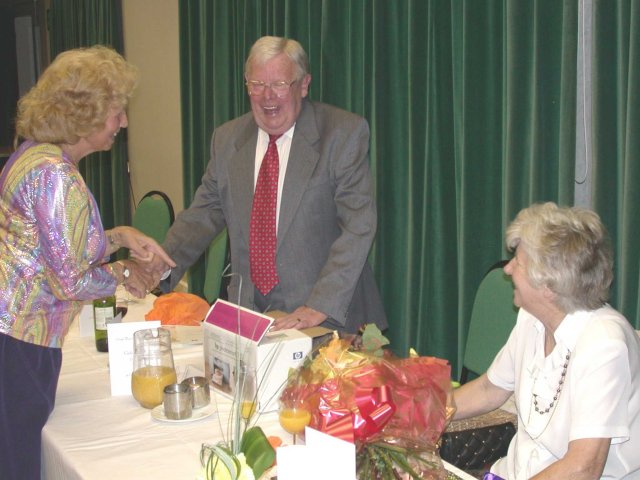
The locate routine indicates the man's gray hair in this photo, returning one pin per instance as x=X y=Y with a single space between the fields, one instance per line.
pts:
x=267 y=48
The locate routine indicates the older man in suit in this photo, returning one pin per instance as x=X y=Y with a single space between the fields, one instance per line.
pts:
x=305 y=252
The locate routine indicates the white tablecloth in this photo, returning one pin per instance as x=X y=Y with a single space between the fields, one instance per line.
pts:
x=92 y=435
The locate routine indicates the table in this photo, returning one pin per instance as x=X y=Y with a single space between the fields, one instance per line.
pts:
x=94 y=436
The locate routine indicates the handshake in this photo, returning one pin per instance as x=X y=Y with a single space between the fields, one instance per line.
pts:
x=148 y=263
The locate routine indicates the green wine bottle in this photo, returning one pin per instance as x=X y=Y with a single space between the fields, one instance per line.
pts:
x=104 y=311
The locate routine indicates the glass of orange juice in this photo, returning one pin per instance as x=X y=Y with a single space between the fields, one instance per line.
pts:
x=294 y=416
x=153 y=367
x=248 y=392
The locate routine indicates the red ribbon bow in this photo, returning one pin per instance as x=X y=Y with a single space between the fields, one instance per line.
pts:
x=374 y=408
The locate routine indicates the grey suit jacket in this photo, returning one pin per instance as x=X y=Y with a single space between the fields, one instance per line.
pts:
x=327 y=216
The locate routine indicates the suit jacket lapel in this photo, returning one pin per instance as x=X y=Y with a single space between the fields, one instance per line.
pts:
x=241 y=174
x=303 y=157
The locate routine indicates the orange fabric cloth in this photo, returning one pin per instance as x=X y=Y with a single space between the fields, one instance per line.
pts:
x=178 y=309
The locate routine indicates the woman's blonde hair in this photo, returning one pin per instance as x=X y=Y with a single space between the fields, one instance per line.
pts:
x=74 y=95
x=568 y=251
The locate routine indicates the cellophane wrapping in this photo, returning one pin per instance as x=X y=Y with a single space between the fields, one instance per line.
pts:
x=393 y=409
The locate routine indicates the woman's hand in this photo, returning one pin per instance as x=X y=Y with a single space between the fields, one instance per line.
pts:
x=137 y=281
x=141 y=247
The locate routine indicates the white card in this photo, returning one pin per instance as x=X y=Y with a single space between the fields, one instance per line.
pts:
x=85 y=320
x=121 y=353
x=342 y=454
x=310 y=461
x=295 y=462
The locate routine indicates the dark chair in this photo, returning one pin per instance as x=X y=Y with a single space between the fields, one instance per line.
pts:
x=475 y=443
x=154 y=215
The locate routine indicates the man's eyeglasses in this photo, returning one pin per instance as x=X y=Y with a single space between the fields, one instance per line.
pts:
x=257 y=88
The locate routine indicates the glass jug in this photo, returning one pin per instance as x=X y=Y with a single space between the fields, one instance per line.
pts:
x=153 y=367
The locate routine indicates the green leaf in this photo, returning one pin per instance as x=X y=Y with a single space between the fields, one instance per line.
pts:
x=403 y=463
x=257 y=450
x=373 y=340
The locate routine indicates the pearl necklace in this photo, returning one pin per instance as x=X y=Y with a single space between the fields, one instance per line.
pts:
x=558 y=390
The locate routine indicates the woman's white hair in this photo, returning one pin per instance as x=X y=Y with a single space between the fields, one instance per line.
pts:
x=568 y=251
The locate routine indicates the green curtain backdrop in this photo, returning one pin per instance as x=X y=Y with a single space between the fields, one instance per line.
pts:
x=81 y=23
x=472 y=112
x=514 y=118
x=616 y=142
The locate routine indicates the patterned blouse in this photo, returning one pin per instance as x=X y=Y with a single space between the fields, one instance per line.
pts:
x=52 y=245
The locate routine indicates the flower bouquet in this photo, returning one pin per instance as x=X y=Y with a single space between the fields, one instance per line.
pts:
x=393 y=409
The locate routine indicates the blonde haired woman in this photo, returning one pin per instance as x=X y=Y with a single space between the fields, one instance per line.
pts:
x=53 y=248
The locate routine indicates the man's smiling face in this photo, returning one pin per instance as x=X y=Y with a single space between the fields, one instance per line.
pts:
x=277 y=114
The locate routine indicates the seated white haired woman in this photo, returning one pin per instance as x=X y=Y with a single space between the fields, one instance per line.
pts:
x=572 y=361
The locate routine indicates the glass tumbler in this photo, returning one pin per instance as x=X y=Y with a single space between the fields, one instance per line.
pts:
x=247 y=396
x=153 y=367
x=294 y=417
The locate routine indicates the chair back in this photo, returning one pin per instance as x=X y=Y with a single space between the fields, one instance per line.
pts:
x=493 y=316
x=154 y=215
x=215 y=263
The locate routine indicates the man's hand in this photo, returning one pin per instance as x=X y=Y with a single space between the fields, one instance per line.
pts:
x=156 y=267
x=302 y=317
x=141 y=247
x=139 y=282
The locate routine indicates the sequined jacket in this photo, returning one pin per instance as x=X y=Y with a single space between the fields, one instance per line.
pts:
x=52 y=245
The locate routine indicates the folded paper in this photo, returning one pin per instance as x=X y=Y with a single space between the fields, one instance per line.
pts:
x=309 y=461
x=121 y=353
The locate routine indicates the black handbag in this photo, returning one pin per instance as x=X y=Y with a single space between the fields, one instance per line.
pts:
x=476 y=448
